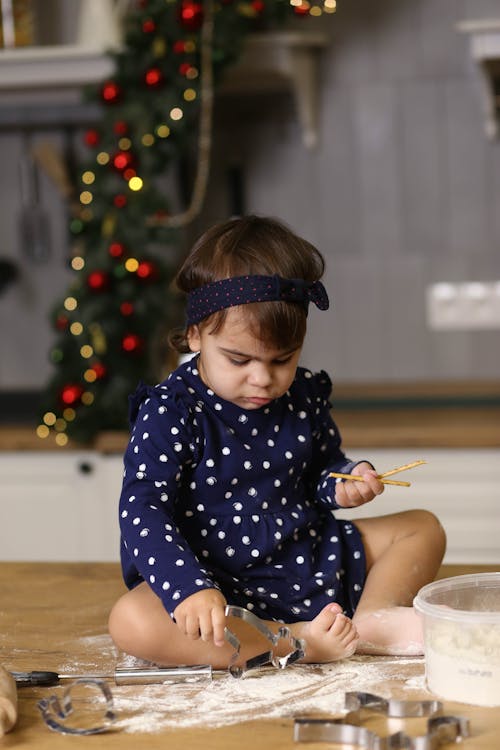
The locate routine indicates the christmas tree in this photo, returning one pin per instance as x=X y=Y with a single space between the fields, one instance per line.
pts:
x=111 y=326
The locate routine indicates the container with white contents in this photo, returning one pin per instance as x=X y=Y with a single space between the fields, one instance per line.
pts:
x=461 y=619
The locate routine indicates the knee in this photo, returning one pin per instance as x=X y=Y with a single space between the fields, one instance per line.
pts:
x=128 y=625
x=121 y=624
x=430 y=527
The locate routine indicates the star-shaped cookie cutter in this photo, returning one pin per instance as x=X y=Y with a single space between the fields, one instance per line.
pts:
x=267 y=657
x=348 y=730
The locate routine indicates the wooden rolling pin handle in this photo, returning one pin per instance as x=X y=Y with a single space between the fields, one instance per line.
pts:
x=8 y=701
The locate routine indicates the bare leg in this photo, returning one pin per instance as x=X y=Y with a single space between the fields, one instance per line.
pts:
x=139 y=625
x=404 y=552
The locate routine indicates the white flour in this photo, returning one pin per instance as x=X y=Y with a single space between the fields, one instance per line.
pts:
x=264 y=694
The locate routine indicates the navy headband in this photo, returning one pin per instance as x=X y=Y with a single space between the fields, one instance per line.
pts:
x=240 y=290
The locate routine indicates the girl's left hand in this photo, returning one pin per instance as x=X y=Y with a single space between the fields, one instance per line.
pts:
x=350 y=493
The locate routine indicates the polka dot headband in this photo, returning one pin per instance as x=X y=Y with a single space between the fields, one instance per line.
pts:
x=241 y=290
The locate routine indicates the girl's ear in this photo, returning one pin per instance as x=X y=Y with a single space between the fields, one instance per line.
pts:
x=194 y=338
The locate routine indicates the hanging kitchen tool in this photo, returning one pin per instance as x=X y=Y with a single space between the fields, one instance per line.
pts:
x=33 y=220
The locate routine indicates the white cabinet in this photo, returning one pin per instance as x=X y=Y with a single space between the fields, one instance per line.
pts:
x=59 y=506
x=460 y=486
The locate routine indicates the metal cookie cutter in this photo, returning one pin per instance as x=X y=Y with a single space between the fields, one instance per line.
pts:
x=440 y=729
x=267 y=657
x=391 y=708
x=55 y=711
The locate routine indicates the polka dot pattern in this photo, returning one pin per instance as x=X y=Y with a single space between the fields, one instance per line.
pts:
x=218 y=497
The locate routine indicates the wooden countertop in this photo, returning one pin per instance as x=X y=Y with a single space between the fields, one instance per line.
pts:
x=53 y=616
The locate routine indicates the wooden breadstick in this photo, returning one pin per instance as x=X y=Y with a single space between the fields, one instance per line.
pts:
x=357 y=478
x=402 y=468
x=8 y=701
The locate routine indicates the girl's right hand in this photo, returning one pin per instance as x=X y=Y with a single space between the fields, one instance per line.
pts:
x=202 y=615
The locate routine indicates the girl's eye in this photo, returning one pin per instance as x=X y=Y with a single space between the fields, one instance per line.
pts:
x=283 y=361
x=239 y=362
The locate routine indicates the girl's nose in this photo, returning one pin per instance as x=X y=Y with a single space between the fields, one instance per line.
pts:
x=260 y=375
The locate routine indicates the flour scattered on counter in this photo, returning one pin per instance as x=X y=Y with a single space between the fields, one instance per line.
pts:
x=265 y=694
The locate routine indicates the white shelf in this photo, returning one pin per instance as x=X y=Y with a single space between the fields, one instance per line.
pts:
x=51 y=67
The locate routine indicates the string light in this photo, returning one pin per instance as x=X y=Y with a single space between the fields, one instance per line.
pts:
x=131 y=264
x=176 y=113
x=76 y=328
x=125 y=144
x=189 y=95
x=49 y=418
x=88 y=177
x=86 y=197
x=102 y=158
x=86 y=351
x=135 y=184
x=148 y=139
x=87 y=398
x=70 y=303
x=42 y=431
x=163 y=131
x=61 y=439
x=77 y=263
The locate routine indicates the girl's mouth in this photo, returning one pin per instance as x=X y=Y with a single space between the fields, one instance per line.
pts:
x=259 y=401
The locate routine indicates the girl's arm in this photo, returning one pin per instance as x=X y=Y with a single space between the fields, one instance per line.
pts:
x=160 y=452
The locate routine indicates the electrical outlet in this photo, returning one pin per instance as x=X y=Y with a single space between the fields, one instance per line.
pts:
x=470 y=305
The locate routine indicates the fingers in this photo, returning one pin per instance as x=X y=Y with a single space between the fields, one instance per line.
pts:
x=212 y=626
x=202 y=615
x=351 y=493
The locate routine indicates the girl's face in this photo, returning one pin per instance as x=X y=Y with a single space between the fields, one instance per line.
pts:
x=240 y=368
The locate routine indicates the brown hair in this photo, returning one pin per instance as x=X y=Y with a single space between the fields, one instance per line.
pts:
x=252 y=245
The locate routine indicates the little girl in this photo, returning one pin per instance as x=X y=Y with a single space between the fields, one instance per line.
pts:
x=227 y=496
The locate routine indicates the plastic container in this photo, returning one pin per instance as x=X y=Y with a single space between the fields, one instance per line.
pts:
x=462 y=637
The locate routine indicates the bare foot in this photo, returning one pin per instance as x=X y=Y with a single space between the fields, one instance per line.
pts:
x=329 y=637
x=396 y=631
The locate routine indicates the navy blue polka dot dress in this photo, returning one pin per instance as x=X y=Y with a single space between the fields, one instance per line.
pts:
x=216 y=496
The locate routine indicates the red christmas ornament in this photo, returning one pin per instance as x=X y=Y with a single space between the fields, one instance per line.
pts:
x=148 y=26
x=191 y=15
x=71 y=394
x=110 y=92
x=147 y=270
x=257 y=5
x=120 y=127
x=116 y=250
x=120 y=200
x=132 y=343
x=97 y=281
x=100 y=370
x=126 y=309
x=91 y=137
x=179 y=47
x=154 y=78
x=61 y=323
x=122 y=160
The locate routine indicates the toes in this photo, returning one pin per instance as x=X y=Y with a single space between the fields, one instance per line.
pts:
x=327 y=617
